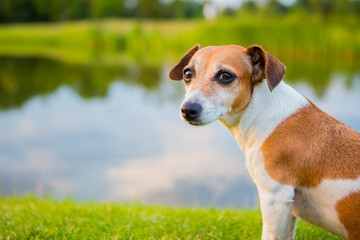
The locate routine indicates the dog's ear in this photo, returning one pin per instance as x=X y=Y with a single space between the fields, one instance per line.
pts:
x=176 y=73
x=265 y=66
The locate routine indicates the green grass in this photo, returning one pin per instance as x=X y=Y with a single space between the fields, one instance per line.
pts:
x=33 y=218
x=111 y=41
x=148 y=41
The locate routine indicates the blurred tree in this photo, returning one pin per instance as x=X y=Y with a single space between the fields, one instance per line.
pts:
x=249 y=7
x=17 y=11
x=193 y=9
x=175 y=9
x=274 y=7
x=228 y=12
x=108 y=8
x=64 y=10
x=5 y=7
x=149 y=9
x=328 y=8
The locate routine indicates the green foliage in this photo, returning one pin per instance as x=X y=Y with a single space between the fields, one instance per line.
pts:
x=323 y=8
x=286 y=37
x=109 y=8
x=65 y=10
x=32 y=218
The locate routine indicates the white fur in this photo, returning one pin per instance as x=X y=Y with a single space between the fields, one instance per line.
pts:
x=317 y=205
x=276 y=200
x=212 y=108
x=264 y=113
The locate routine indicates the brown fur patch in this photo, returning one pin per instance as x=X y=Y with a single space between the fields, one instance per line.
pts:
x=265 y=66
x=348 y=210
x=176 y=73
x=310 y=146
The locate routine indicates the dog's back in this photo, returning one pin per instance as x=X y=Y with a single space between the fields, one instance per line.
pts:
x=320 y=157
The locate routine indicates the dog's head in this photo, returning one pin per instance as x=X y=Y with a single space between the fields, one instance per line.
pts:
x=219 y=81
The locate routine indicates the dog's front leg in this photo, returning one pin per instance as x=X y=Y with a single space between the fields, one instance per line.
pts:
x=292 y=227
x=276 y=200
x=276 y=204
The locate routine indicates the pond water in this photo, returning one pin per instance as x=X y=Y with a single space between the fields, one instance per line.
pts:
x=113 y=133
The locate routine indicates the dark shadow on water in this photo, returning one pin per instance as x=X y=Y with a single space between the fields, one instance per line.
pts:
x=24 y=78
x=319 y=74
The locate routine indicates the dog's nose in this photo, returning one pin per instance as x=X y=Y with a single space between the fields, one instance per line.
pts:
x=190 y=110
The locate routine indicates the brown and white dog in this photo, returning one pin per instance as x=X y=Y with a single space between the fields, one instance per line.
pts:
x=304 y=163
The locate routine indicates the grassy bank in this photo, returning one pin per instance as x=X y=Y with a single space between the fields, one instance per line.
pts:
x=31 y=218
x=120 y=40
x=110 y=41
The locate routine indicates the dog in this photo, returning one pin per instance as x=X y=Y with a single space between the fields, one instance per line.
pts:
x=305 y=163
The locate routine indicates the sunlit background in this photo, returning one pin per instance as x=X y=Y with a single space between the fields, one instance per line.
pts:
x=87 y=110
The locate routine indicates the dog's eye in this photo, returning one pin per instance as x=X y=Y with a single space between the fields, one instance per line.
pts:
x=225 y=77
x=188 y=74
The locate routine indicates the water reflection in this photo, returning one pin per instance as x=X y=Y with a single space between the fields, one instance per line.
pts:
x=113 y=133
x=24 y=78
x=319 y=74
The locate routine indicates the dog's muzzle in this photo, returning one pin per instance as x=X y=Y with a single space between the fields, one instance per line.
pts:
x=191 y=111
